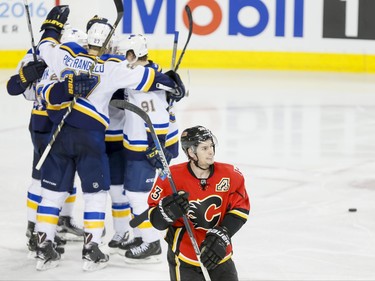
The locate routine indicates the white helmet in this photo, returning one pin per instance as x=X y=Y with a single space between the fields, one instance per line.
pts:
x=70 y=34
x=97 y=34
x=135 y=42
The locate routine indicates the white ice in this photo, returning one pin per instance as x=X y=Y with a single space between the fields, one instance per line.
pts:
x=305 y=142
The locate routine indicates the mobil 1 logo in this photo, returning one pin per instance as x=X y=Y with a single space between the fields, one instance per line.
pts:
x=351 y=19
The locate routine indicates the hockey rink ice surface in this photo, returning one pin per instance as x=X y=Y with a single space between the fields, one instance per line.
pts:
x=305 y=142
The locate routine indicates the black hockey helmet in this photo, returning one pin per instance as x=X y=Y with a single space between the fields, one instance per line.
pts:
x=191 y=137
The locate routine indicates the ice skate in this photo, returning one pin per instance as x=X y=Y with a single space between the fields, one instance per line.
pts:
x=67 y=229
x=32 y=239
x=130 y=243
x=116 y=241
x=144 y=253
x=30 y=229
x=32 y=245
x=93 y=257
x=46 y=254
x=33 y=242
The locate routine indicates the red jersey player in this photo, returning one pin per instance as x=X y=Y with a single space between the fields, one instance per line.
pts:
x=214 y=197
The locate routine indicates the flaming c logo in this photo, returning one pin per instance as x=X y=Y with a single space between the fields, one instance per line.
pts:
x=205 y=213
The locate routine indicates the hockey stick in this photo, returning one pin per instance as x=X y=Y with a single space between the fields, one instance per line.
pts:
x=190 y=21
x=30 y=29
x=133 y=108
x=174 y=52
x=142 y=217
x=175 y=68
x=120 y=13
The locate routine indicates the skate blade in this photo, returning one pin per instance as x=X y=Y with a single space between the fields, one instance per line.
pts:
x=31 y=255
x=113 y=251
x=116 y=251
x=148 y=260
x=121 y=252
x=92 y=266
x=41 y=265
x=71 y=237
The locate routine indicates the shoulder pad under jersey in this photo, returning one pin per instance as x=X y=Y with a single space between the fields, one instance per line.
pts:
x=153 y=65
x=106 y=57
x=73 y=48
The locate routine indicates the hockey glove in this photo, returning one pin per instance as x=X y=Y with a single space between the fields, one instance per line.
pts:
x=179 y=86
x=31 y=72
x=153 y=157
x=213 y=248
x=56 y=18
x=79 y=85
x=174 y=206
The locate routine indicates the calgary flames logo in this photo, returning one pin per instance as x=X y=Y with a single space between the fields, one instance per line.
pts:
x=205 y=214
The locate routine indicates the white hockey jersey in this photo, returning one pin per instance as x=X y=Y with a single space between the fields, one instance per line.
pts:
x=136 y=132
x=112 y=74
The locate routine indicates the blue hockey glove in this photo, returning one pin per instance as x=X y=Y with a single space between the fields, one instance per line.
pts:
x=173 y=207
x=213 y=247
x=79 y=85
x=153 y=157
x=179 y=86
x=56 y=18
x=31 y=72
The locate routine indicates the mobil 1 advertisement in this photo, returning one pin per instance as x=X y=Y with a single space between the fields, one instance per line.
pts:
x=332 y=26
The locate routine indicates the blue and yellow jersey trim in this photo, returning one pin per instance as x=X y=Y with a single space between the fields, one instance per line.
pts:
x=84 y=107
x=48 y=40
x=92 y=220
x=113 y=135
x=58 y=107
x=160 y=129
x=171 y=138
x=73 y=49
x=153 y=65
x=47 y=214
x=45 y=93
x=88 y=109
x=39 y=112
x=135 y=145
x=141 y=145
x=147 y=80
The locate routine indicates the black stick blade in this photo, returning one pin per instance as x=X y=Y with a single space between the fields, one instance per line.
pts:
x=119 y=6
x=190 y=22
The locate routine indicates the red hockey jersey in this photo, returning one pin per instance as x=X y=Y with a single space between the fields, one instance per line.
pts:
x=210 y=200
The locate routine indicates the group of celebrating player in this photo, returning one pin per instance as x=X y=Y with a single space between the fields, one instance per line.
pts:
x=113 y=152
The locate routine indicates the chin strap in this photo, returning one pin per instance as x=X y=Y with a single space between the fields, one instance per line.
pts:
x=196 y=164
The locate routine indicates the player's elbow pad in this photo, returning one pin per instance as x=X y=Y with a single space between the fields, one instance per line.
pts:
x=157 y=220
x=232 y=223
